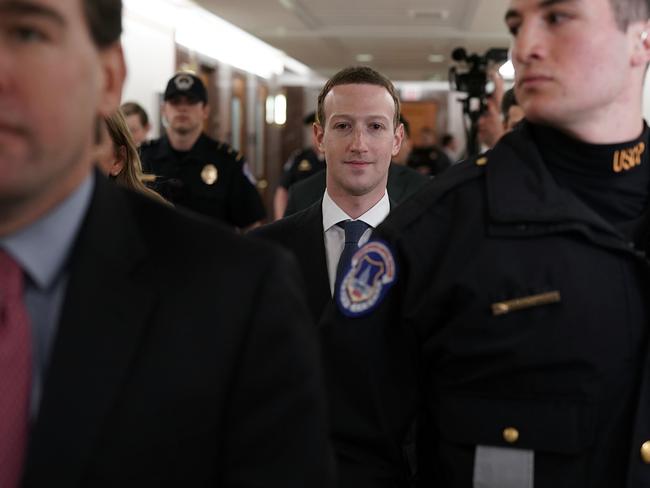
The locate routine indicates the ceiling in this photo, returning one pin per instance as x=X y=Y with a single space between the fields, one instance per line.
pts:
x=400 y=35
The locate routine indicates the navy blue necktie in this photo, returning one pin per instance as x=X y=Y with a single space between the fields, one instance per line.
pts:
x=354 y=229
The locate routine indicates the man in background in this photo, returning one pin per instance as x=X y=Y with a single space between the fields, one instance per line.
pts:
x=450 y=146
x=511 y=111
x=138 y=347
x=427 y=157
x=195 y=171
x=302 y=164
x=137 y=120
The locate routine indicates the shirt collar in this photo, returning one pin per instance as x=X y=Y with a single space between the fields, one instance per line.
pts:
x=333 y=214
x=42 y=248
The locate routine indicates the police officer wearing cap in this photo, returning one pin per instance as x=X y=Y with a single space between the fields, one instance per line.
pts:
x=500 y=317
x=195 y=171
x=301 y=165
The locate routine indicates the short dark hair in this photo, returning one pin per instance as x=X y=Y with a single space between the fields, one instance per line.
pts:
x=628 y=11
x=104 y=20
x=509 y=99
x=132 y=108
x=358 y=75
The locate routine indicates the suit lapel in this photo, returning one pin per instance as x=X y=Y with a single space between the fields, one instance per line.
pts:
x=311 y=256
x=101 y=322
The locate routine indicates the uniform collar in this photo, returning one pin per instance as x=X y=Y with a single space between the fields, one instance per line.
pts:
x=165 y=146
x=521 y=189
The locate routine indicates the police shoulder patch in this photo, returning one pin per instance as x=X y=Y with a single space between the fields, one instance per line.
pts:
x=371 y=273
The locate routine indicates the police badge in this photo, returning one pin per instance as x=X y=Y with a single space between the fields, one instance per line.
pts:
x=371 y=274
x=209 y=174
x=304 y=165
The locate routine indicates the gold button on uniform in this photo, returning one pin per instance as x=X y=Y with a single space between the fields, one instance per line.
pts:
x=645 y=452
x=482 y=161
x=510 y=435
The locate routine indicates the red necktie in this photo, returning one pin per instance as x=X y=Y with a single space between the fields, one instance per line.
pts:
x=15 y=372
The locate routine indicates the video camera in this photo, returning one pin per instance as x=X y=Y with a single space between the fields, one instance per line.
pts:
x=471 y=76
x=473 y=79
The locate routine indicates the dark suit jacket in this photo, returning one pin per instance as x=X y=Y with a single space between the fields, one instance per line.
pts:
x=184 y=356
x=302 y=234
x=402 y=183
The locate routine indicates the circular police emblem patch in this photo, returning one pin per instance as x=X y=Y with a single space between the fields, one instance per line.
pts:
x=209 y=174
x=183 y=82
x=372 y=272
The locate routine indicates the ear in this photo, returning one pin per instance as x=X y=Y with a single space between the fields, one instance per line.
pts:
x=118 y=164
x=640 y=38
x=398 y=137
x=163 y=112
x=114 y=72
x=117 y=168
x=319 y=132
x=206 y=111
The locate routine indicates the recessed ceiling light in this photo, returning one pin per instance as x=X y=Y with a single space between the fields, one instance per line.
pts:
x=365 y=58
x=436 y=58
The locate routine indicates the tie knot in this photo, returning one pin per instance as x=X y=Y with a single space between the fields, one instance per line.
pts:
x=354 y=229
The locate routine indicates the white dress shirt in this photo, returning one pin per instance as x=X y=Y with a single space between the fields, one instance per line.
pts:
x=335 y=235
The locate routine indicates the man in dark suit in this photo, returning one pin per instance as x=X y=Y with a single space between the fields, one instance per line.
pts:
x=358 y=130
x=139 y=347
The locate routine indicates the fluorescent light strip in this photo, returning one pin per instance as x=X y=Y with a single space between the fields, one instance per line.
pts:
x=203 y=32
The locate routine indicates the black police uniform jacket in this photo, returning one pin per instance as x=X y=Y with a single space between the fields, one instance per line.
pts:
x=184 y=357
x=302 y=164
x=517 y=321
x=209 y=179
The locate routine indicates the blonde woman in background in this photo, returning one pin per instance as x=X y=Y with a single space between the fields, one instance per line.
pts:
x=117 y=156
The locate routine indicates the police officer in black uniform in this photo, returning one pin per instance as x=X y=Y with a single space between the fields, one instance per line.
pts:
x=195 y=171
x=493 y=333
x=302 y=164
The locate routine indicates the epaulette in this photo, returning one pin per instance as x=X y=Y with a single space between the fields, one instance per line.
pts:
x=235 y=155
x=226 y=148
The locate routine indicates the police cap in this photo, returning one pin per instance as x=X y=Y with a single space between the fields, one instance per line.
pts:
x=188 y=85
